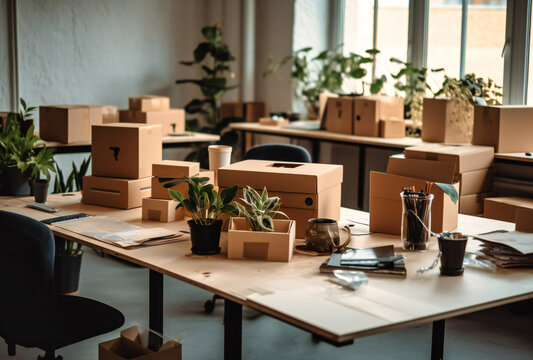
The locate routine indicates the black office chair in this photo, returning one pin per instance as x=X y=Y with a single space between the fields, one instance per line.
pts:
x=31 y=314
x=272 y=152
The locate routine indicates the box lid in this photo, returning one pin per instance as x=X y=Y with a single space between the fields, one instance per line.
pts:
x=465 y=157
x=281 y=176
x=432 y=170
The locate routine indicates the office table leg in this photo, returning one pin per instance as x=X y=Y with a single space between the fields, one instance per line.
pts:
x=156 y=309
x=315 y=150
x=437 y=340
x=361 y=177
x=232 y=330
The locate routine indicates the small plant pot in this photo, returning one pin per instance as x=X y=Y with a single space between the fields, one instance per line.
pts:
x=67 y=273
x=205 y=238
x=18 y=183
x=40 y=190
x=453 y=254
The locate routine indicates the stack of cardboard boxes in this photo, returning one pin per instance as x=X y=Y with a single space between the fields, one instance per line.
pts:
x=122 y=158
x=151 y=109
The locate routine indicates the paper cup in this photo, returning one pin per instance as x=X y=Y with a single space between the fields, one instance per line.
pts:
x=219 y=155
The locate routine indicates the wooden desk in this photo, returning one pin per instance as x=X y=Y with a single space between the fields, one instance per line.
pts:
x=169 y=141
x=298 y=294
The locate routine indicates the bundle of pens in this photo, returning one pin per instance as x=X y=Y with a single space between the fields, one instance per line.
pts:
x=416 y=217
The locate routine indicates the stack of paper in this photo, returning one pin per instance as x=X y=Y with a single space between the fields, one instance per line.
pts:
x=507 y=248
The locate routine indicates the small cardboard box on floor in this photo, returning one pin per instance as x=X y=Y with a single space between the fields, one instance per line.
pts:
x=125 y=150
x=256 y=245
x=68 y=123
x=149 y=102
x=130 y=346
x=115 y=192
x=306 y=190
x=177 y=170
x=439 y=123
x=162 y=210
x=504 y=208
x=506 y=128
x=171 y=120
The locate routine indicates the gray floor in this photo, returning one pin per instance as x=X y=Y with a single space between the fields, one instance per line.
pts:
x=504 y=333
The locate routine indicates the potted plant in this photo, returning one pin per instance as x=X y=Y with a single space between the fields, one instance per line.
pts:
x=205 y=206
x=256 y=234
x=67 y=265
x=42 y=163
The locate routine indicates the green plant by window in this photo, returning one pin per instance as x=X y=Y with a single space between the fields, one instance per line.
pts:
x=261 y=211
x=203 y=201
x=74 y=181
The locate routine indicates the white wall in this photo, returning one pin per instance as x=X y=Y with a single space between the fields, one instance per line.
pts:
x=4 y=60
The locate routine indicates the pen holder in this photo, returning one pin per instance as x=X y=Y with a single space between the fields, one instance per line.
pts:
x=453 y=254
x=416 y=220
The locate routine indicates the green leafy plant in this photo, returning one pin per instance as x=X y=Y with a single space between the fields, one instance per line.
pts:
x=203 y=201
x=74 y=181
x=262 y=209
x=449 y=190
x=212 y=56
x=66 y=247
x=488 y=90
x=325 y=72
x=42 y=163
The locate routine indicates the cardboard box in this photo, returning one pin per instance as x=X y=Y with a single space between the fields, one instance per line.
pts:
x=524 y=220
x=465 y=157
x=248 y=111
x=115 y=192
x=386 y=204
x=392 y=128
x=504 y=208
x=172 y=169
x=171 y=120
x=339 y=115
x=471 y=204
x=3 y=118
x=439 y=122
x=68 y=123
x=161 y=210
x=306 y=190
x=109 y=114
x=506 y=128
x=149 y=102
x=369 y=110
x=322 y=102
x=129 y=346
x=431 y=170
x=476 y=181
x=268 y=121
x=256 y=245
x=125 y=150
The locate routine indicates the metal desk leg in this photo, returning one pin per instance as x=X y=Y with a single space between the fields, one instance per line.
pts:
x=437 y=340
x=361 y=181
x=232 y=330
x=315 y=150
x=156 y=309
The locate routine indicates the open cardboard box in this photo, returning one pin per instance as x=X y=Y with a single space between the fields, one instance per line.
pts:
x=149 y=102
x=438 y=122
x=505 y=208
x=129 y=346
x=161 y=210
x=171 y=120
x=257 y=245
x=172 y=169
x=506 y=128
x=115 y=192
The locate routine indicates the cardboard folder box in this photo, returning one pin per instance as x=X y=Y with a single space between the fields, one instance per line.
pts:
x=476 y=181
x=115 y=192
x=431 y=170
x=465 y=157
x=171 y=120
x=172 y=169
x=129 y=346
x=504 y=208
x=163 y=210
x=386 y=204
x=369 y=110
x=339 y=115
x=149 y=102
x=125 y=150
x=439 y=122
x=68 y=123
x=306 y=190
x=506 y=128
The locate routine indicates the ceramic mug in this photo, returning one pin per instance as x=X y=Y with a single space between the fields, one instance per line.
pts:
x=323 y=235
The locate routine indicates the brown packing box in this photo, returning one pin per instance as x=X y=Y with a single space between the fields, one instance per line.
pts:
x=125 y=150
x=249 y=111
x=507 y=128
x=524 y=220
x=392 y=128
x=322 y=102
x=115 y=192
x=109 y=114
x=369 y=110
x=172 y=169
x=128 y=346
x=3 y=117
x=149 y=102
x=386 y=205
x=171 y=120
x=68 y=123
x=465 y=157
x=431 y=170
x=476 y=181
x=438 y=122
x=471 y=204
x=339 y=115
x=504 y=208
x=257 y=245
x=306 y=190
x=161 y=210
x=268 y=121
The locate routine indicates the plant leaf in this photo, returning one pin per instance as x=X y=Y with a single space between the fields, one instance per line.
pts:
x=450 y=191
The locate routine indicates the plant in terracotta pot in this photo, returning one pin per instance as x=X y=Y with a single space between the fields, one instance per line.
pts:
x=206 y=206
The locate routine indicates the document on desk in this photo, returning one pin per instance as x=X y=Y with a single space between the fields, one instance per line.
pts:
x=515 y=240
x=121 y=233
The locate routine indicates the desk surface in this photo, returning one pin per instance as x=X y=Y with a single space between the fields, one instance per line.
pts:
x=297 y=293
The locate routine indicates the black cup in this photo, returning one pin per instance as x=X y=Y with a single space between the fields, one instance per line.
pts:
x=453 y=254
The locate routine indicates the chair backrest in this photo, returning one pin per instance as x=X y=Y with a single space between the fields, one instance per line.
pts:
x=29 y=309
x=278 y=152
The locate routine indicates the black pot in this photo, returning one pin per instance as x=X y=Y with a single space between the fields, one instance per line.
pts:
x=205 y=238
x=40 y=190
x=453 y=254
x=67 y=273
x=18 y=183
